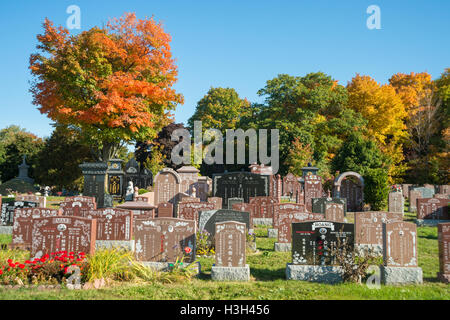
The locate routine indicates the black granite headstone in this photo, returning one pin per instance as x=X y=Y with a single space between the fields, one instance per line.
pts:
x=8 y=208
x=208 y=219
x=314 y=242
x=240 y=185
x=318 y=204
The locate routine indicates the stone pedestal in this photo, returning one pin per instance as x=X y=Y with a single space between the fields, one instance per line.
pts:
x=272 y=233
x=262 y=221
x=375 y=249
x=6 y=229
x=282 y=247
x=165 y=266
x=429 y=222
x=230 y=273
x=322 y=274
x=401 y=275
x=109 y=244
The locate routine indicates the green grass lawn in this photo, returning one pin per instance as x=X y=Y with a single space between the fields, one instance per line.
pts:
x=267 y=281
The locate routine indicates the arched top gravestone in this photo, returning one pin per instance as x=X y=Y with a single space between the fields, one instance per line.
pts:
x=167 y=186
x=344 y=187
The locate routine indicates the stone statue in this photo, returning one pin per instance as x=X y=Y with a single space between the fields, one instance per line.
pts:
x=136 y=193
x=130 y=192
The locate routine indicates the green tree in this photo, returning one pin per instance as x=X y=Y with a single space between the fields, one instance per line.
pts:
x=220 y=108
x=363 y=156
x=301 y=107
x=58 y=161
x=14 y=144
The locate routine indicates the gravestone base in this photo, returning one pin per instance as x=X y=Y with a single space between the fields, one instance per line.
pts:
x=109 y=244
x=165 y=266
x=230 y=273
x=401 y=275
x=6 y=229
x=443 y=277
x=374 y=249
x=262 y=221
x=282 y=247
x=429 y=222
x=272 y=233
x=322 y=274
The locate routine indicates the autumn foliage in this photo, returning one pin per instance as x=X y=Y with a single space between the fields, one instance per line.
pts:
x=114 y=83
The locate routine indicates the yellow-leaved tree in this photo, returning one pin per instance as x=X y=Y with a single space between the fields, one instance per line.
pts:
x=385 y=112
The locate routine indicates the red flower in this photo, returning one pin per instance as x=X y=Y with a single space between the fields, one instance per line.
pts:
x=28 y=262
x=21 y=266
x=12 y=265
x=187 y=250
x=46 y=256
x=1 y=272
x=10 y=261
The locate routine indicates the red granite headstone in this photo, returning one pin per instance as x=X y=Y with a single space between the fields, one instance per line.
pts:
x=284 y=208
x=334 y=212
x=165 y=210
x=400 y=244
x=369 y=226
x=217 y=202
x=113 y=224
x=23 y=223
x=444 y=252
x=78 y=206
x=313 y=189
x=63 y=233
x=287 y=218
x=165 y=240
x=432 y=208
x=230 y=243
x=190 y=210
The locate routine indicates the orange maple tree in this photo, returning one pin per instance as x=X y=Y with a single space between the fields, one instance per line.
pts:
x=114 y=84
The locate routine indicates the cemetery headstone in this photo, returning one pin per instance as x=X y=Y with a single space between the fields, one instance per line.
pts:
x=240 y=185
x=189 y=179
x=314 y=242
x=313 y=189
x=71 y=234
x=352 y=191
x=334 y=212
x=190 y=210
x=113 y=224
x=413 y=196
x=8 y=210
x=232 y=201
x=165 y=240
x=78 y=206
x=216 y=201
x=369 y=229
x=285 y=221
x=280 y=208
x=42 y=201
x=167 y=186
x=396 y=202
x=318 y=204
x=444 y=252
x=95 y=183
x=400 y=263
x=165 y=210
x=433 y=208
x=230 y=244
x=23 y=223
x=208 y=219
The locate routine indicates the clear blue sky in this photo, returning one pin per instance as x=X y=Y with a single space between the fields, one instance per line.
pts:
x=240 y=44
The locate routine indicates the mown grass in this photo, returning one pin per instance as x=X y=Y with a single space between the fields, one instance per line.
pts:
x=267 y=282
